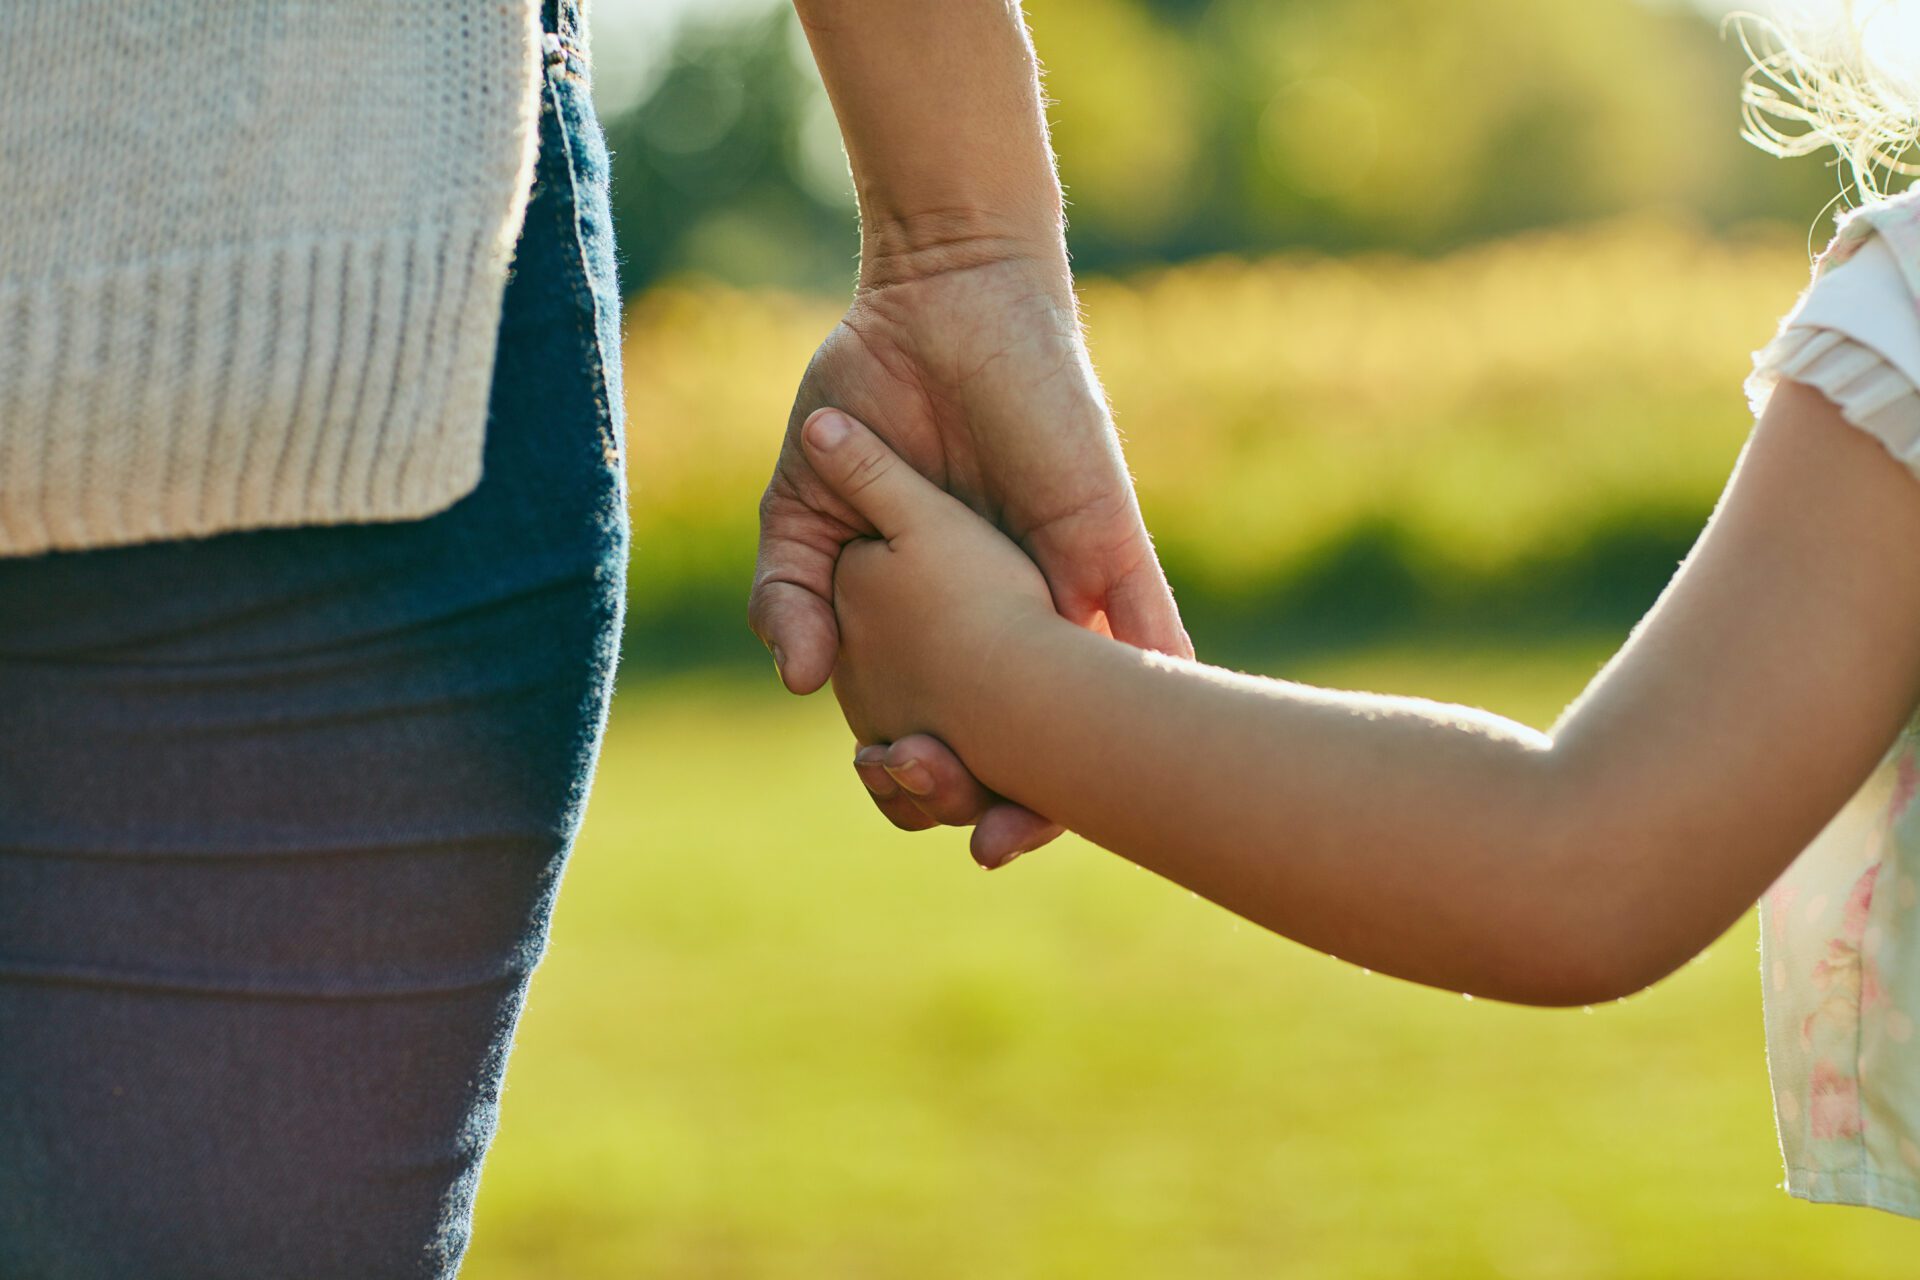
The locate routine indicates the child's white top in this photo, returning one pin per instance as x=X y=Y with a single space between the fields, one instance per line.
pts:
x=1840 y=930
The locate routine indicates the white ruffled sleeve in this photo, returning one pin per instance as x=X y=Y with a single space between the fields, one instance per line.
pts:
x=1854 y=337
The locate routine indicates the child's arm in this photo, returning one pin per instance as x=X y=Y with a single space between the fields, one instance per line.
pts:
x=1437 y=843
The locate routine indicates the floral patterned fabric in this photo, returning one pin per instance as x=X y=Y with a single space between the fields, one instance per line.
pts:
x=1840 y=959
x=1840 y=930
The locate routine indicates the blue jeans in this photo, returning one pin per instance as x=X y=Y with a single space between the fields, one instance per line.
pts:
x=282 y=815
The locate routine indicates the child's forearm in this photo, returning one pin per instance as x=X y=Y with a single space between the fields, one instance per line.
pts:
x=1422 y=840
x=1438 y=843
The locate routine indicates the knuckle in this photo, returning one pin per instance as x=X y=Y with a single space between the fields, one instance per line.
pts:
x=760 y=618
x=866 y=470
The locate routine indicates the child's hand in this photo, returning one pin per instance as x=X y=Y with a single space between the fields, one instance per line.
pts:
x=925 y=607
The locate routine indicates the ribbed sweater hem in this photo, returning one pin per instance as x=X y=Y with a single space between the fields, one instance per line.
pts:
x=310 y=380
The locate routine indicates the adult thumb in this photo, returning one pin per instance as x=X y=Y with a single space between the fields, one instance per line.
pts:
x=867 y=475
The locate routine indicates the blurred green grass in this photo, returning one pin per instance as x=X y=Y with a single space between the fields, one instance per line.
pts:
x=774 y=1039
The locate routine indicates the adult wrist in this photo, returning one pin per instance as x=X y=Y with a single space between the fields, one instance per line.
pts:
x=900 y=248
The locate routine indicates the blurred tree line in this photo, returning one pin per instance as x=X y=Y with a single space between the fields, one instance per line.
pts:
x=1193 y=127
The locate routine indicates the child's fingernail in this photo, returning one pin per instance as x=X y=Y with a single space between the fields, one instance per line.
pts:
x=828 y=429
x=866 y=756
x=779 y=660
x=912 y=777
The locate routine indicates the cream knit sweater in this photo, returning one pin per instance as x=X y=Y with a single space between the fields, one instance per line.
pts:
x=252 y=255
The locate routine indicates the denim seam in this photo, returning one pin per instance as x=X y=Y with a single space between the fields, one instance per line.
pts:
x=587 y=315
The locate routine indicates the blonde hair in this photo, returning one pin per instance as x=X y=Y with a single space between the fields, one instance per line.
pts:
x=1835 y=73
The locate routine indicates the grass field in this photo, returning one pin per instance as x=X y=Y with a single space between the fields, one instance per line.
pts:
x=774 y=1039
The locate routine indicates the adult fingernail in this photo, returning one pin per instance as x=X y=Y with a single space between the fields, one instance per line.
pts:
x=912 y=777
x=997 y=863
x=866 y=763
x=828 y=429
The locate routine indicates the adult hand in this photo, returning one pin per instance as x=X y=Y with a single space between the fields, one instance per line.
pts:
x=967 y=358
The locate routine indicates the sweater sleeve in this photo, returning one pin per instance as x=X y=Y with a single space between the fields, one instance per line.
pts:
x=1855 y=338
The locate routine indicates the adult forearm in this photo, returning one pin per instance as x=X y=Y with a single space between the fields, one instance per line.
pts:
x=940 y=106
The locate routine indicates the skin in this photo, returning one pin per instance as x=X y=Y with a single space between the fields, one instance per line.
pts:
x=1439 y=843
x=962 y=348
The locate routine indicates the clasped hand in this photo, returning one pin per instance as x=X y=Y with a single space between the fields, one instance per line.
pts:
x=976 y=378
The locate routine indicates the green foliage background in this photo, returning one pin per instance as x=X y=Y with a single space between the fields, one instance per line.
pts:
x=1188 y=128
x=1525 y=434
x=1414 y=316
